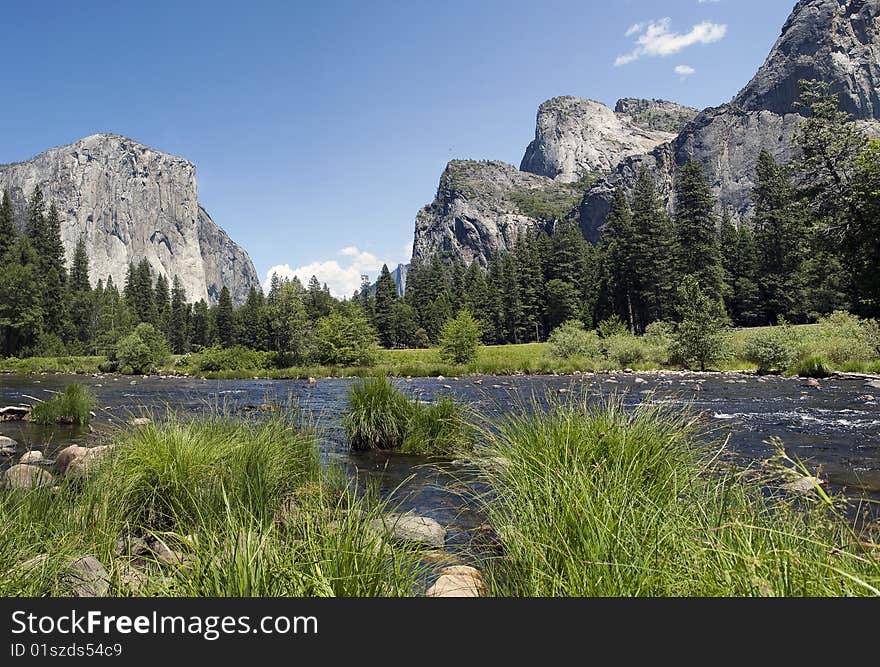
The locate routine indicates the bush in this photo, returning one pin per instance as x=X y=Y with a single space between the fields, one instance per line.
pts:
x=378 y=415
x=625 y=349
x=612 y=326
x=843 y=337
x=141 y=352
x=236 y=358
x=571 y=339
x=774 y=348
x=345 y=340
x=74 y=406
x=460 y=339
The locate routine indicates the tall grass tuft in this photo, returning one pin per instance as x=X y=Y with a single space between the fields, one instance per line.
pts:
x=592 y=499
x=73 y=406
x=378 y=415
x=381 y=416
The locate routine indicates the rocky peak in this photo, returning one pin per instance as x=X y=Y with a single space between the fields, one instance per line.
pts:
x=576 y=137
x=659 y=115
x=837 y=41
x=130 y=202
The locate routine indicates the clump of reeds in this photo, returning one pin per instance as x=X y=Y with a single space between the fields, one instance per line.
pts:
x=73 y=406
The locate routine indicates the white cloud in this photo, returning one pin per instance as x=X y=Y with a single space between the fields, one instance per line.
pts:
x=342 y=276
x=656 y=39
x=685 y=70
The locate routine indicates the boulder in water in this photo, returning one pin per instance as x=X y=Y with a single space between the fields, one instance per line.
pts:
x=23 y=476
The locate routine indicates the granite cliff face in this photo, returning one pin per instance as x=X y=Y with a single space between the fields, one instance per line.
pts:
x=481 y=208
x=576 y=137
x=829 y=40
x=837 y=41
x=131 y=202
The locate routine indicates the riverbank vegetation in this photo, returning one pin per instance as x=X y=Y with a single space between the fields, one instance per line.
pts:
x=203 y=507
x=592 y=499
x=808 y=250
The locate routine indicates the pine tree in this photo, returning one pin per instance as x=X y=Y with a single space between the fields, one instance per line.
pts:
x=652 y=281
x=619 y=253
x=740 y=262
x=79 y=270
x=252 y=319
x=8 y=231
x=225 y=319
x=386 y=296
x=178 y=332
x=200 y=328
x=779 y=238
x=162 y=299
x=695 y=226
x=21 y=312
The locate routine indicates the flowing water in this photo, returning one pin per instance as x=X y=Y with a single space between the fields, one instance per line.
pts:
x=836 y=426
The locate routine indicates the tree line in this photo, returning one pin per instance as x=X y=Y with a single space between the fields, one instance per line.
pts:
x=811 y=247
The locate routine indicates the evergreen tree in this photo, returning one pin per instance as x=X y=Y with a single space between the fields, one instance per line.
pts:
x=79 y=270
x=225 y=319
x=21 y=311
x=695 y=228
x=779 y=238
x=162 y=300
x=178 y=332
x=8 y=231
x=739 y=261
x=200 y=327
x=619 y=252
x=386 y=296
x=253 y=326
x=83 y=303
x=653 y=290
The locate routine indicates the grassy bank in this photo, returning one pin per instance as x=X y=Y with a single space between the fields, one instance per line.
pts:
x=838 y=351
x=237 y=509
x=591 y=500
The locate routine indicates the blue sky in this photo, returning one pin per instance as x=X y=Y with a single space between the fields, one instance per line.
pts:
x=319 y=129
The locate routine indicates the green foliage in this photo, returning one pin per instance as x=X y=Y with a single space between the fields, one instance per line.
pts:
x=813 y=366
x=377 y=416
x=460 y=338
x=612 y=326
x=773 y=348
x=236 y=358
x=380 y=416
x=599 y=499
x=345 y=339
x=553 y=204
x=842 y=337
x=142 y=351
x=571 y=339
x=700 y=338
x=625 y=349
x=73 y=406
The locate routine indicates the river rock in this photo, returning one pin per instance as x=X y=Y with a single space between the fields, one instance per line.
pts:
x=81 y=465
x=140 y=421
x=14 y=413
x=811 y=382
x=66 y=456
x=7 y=446
x=131 y=545
x=802 y=485
x=167 y=556
x=458 y=581
x=86 y=578
x=873 y=384
x=22 y=476
x=33 y=456
x=410 y=527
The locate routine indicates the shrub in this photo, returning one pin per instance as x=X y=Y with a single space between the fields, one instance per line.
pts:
x=73 y=406
x=843 y=337
x=571 y=339
x=612 y=326
x=142 y=351
x=345 y=339
x=378 y=415
x=625 y=349
x=699 y=338
x=460 y=339
x=236 y=358
x=773 y=348
x=658 y=341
